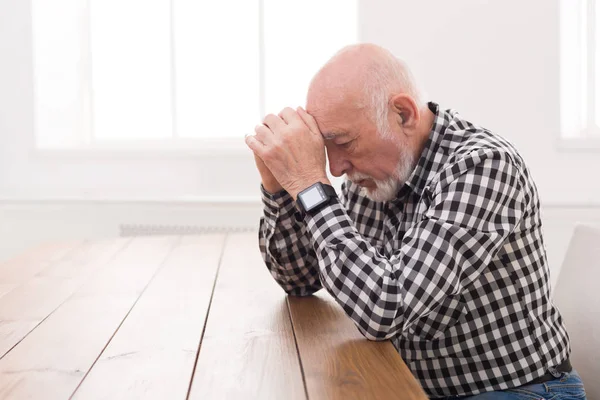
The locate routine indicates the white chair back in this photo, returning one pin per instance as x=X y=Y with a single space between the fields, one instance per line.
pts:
x=577 y=296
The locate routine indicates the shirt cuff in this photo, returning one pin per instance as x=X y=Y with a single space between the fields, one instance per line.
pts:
x=276 y=202
x=329 y=225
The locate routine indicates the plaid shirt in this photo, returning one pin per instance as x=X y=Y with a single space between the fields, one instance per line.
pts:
x=453 y=271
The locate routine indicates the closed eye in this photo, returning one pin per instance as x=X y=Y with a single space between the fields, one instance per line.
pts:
x=346 y=145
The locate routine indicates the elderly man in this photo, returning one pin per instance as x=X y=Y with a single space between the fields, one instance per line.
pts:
x=434 y=241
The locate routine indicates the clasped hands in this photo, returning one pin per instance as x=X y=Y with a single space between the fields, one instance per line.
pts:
x=289 y=151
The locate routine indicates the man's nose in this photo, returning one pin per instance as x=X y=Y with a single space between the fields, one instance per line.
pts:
x=337 y=164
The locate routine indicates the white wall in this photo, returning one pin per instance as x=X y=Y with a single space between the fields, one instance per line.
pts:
x=495 y=62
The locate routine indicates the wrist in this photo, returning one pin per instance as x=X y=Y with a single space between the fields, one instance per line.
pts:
x=271 y=187
x=315 y=197
x=305 y=184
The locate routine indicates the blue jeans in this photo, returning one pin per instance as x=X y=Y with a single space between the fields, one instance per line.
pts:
x=568 y=386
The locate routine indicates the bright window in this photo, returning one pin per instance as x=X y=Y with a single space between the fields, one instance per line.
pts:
x=131 y=73
x=580 y=69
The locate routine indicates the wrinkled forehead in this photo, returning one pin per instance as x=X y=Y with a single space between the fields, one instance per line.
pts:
x=331 y=121
x=333 y=111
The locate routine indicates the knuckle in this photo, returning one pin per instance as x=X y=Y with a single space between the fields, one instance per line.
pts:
x=278 y=145
x=287 y=136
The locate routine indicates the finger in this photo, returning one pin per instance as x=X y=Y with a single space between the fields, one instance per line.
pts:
x=274 y=123
x=263 y=130
x=258 y=160
x=309 y=121
x=255 y=145
x=289 y=115
x=263 y=134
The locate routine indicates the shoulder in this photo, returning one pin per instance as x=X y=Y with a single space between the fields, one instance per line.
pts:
x=469 y=146
x=463 y=138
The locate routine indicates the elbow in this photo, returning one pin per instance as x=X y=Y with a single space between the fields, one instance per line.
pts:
x=377 y=336
x=299 y=290
x=378 y=333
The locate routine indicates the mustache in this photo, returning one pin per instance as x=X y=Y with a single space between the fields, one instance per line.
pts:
x=357 y=176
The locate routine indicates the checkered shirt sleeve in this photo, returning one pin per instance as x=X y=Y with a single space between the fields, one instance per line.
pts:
x=286 y=247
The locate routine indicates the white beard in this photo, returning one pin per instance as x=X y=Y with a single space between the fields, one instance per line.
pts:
x=387 y=189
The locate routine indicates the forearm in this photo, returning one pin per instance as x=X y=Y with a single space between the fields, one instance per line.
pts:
x=359 y=278
x=286 y=248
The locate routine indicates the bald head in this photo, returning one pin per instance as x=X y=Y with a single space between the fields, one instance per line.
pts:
x=364 y=75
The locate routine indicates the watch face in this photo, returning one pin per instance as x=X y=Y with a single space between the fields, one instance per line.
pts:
x=312 y=197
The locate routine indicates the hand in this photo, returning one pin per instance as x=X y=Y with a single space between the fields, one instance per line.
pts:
x=292 y=148
x=267 y=179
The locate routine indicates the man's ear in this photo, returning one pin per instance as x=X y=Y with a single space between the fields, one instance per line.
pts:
x=408 y=111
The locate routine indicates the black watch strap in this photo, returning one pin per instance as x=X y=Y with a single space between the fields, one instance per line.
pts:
x=327 y=191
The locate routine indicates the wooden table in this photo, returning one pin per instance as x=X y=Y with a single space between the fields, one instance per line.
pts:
x=194 y=317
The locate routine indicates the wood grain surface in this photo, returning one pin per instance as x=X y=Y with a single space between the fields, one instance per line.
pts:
x=248 y=350
x=152 y=354
x=339 y=363
x=189 y=317
x=53 y=359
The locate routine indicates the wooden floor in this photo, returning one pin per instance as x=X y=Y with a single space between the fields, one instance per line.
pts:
x=194 y=317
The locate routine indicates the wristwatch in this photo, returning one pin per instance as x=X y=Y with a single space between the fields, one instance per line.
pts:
x=314 y=197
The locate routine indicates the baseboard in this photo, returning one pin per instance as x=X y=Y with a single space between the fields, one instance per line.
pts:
x=127 y=230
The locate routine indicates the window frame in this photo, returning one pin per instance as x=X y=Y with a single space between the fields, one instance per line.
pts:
x=586 y=137
x=173 y=147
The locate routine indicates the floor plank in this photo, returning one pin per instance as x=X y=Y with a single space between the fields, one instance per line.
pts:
x=152 y=355
x=51 y=361
x=6 y=287
x=339 y=363
x=28 y=304
x=19 y=269
x=248 y=349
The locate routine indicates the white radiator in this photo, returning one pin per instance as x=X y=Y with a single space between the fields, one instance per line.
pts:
x=161 y=230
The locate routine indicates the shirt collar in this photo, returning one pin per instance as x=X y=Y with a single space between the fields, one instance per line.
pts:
x=428 y=161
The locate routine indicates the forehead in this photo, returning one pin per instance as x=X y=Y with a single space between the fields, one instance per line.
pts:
x=335 y=119
x=332 y=128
